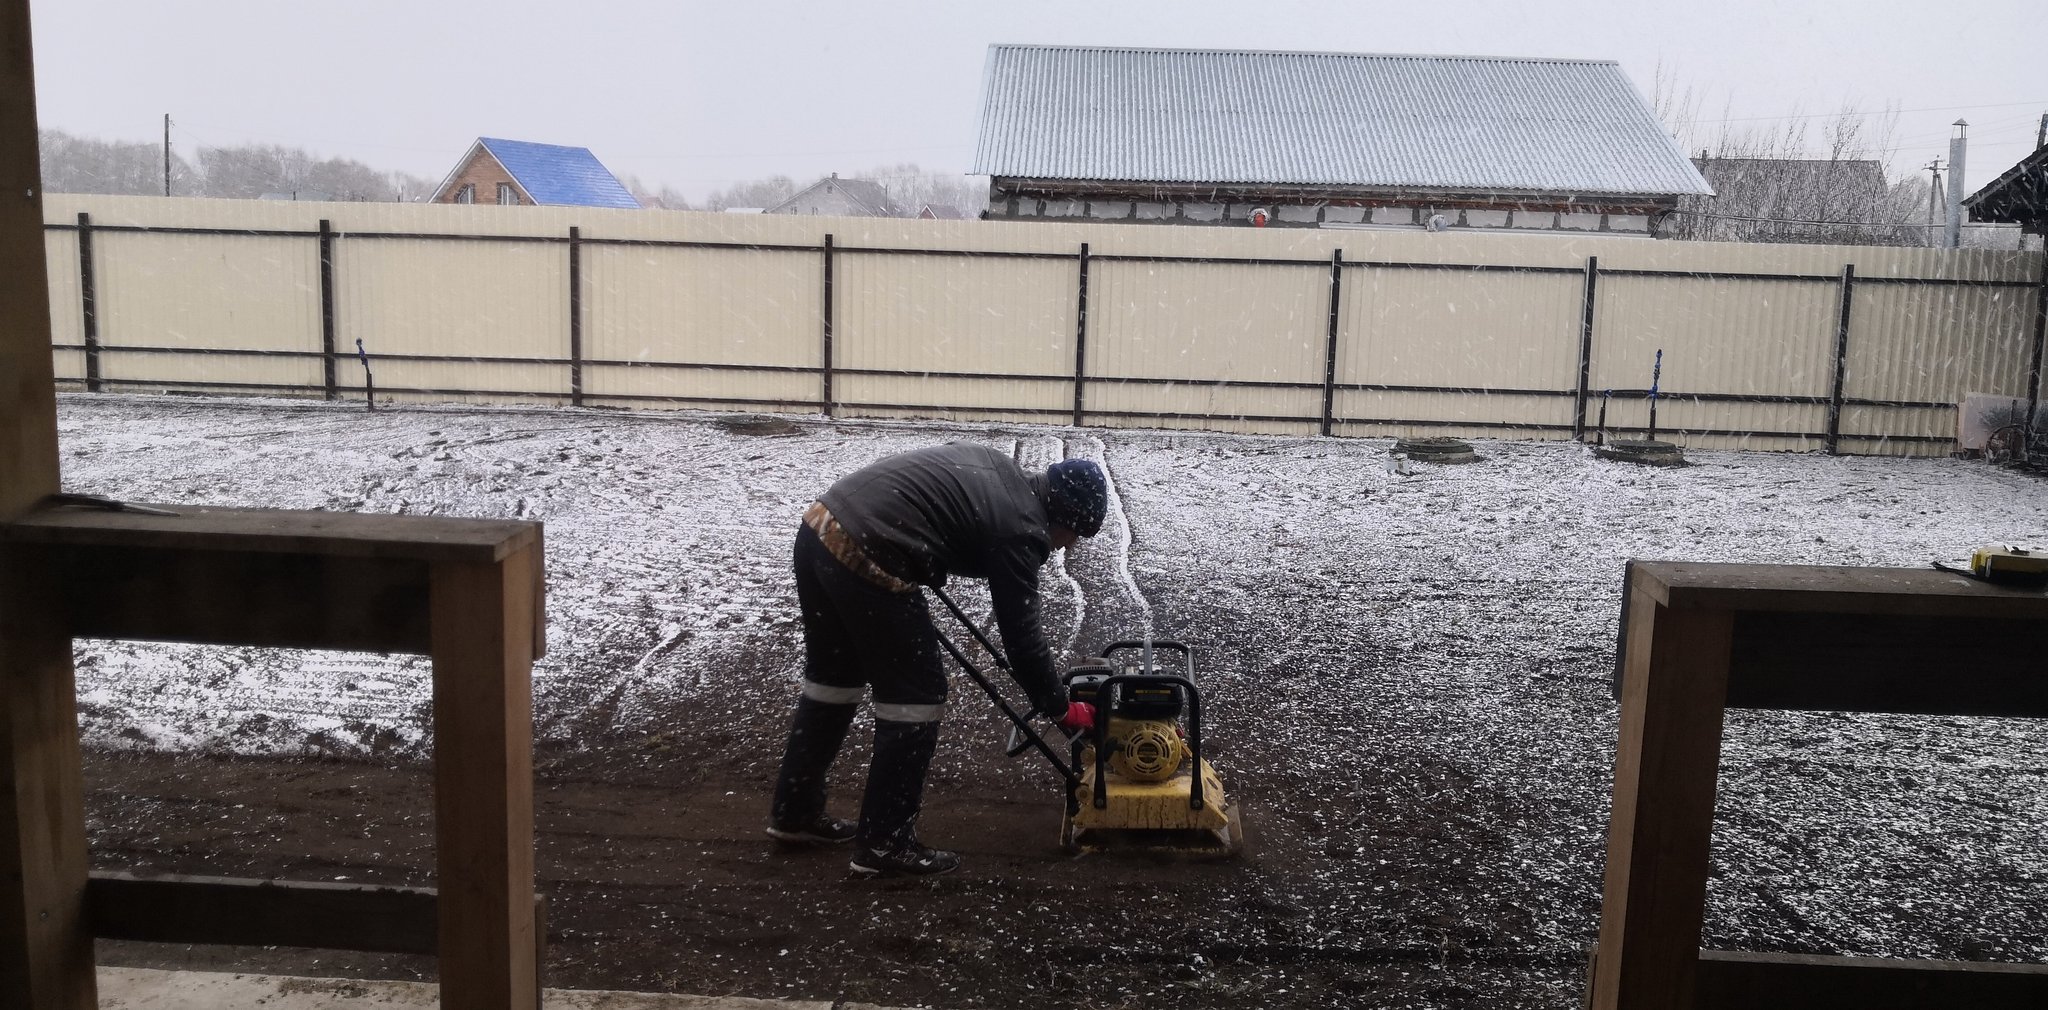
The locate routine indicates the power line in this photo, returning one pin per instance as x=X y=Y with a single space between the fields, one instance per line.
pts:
x=1874 y=112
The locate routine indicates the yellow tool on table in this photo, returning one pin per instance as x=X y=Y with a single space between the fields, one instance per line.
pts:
x=2005 y=566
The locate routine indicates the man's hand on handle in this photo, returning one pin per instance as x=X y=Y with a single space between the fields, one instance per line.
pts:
x=1079 y=718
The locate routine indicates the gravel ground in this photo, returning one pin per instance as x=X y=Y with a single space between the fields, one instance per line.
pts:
x=1408 y=675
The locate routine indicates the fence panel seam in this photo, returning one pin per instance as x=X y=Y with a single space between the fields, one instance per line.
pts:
x=1081 y=342
x=1841 y=356
x=825 y=373
x=1585 y=349
x=1330 y=342
x=88 y=303
x=327 y=308
x=575 y=316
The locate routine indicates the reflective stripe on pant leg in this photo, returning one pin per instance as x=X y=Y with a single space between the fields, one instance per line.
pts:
x=815 y=734
x=830 y=695
x=899 y=712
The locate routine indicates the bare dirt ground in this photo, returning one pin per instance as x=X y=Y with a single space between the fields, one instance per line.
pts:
x=1409 y=684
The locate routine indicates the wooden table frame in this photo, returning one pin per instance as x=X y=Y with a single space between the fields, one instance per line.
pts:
x=468 y=593
x=1699 y=638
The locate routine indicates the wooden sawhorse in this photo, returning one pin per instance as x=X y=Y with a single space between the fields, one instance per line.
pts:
x=466 y=592
x=1698 y=638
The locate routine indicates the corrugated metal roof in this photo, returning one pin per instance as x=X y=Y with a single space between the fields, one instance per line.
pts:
x=1464 y=123
x=559 y=176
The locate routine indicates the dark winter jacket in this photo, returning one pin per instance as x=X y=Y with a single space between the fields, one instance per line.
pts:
x=967 y=510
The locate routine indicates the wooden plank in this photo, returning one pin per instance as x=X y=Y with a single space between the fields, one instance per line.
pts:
x=483 y=634
x=1832 y=588
x=45 y=946
x=233 y=598
x=285 y=531
x=262 y=913
x=1889 y=663
x=28 y=396
x=176 y=908
x=1667 y=756
x=1731 y=979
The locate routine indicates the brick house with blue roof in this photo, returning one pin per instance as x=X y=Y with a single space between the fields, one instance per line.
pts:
x=518 y=173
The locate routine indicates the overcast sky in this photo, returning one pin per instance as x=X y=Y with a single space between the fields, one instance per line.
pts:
x=699 y=95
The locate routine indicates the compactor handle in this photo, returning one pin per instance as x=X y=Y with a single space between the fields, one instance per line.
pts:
x=1019 y=741
x=1187 y=655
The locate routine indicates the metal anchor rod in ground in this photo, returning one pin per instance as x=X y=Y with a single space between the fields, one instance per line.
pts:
x=1656 y=374
x=1021 y=724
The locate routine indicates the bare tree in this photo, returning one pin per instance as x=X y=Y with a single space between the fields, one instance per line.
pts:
x=1793 y=179
x=664 y=197
x=72 y=164
x=755 y=193
x=409 y=188
x=907 y=185
x=912 y=188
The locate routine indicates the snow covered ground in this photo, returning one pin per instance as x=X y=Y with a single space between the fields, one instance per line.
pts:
x=1419 y=662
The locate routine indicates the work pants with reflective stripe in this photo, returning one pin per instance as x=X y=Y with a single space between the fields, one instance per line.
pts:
x=859 y=637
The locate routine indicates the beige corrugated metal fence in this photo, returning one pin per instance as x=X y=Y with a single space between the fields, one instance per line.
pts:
x=1295 y=331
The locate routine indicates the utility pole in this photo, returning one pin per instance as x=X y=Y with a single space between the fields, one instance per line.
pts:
x=1933 y=196
x=167 y=154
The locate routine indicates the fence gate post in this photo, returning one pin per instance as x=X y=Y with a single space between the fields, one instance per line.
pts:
x=88 y=303
x=1841 y=359
x=826 y=374
x=1330 y=342
x=2040 y=338
x=575 y=316
x=327 y=307
x=1585 y=349
x=1081 y=343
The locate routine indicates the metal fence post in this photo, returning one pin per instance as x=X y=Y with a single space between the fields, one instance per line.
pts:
x=2034 y=373
x=826 y=374
x=1585 y=349
x=1081 y=343
x=1330 y=343
x=327 y=307
x=1841 y=359
x=575 y=316
x=88 y=297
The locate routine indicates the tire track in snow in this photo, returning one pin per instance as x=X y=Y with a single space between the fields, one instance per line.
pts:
x=1117 y=527
x=1035 y=456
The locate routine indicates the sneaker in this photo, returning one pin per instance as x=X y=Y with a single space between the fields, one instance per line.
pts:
x=823 y=831
x=912 y=860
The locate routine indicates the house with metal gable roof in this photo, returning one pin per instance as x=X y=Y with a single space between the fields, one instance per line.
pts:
x=2020 y=195
x=522 y=173
x=836 y=197
x=1297 y=139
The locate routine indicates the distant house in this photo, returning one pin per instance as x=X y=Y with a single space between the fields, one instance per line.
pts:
x=520 y=173
x=1843 y=201
x=940 y=212
x=836 y=197
x=1236 y=137
x=2020 y=196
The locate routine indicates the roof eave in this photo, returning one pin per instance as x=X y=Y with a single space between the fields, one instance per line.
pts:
x=1312 y=189
x=460 y=164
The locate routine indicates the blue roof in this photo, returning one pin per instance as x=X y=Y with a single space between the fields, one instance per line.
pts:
x=559 y=176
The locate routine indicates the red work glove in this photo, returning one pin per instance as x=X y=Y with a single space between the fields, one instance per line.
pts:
x=1080 y=718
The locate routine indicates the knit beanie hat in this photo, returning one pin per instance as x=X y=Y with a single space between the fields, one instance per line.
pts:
x=1080 y=495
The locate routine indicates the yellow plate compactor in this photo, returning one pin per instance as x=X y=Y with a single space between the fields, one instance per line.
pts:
x=1136 y=780
x=1142 y=781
